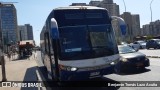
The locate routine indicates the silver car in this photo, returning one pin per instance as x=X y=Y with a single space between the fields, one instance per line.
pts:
x=131 y=59
x=139 y=44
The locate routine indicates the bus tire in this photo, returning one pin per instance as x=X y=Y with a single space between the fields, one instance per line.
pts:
x=46 y=74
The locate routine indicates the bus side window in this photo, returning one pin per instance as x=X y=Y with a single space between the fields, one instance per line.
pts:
x=48 y=46
x=51 y=48
x=46 y=43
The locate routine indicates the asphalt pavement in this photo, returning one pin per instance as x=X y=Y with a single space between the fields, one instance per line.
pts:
x=150 y=73
x=25 y=70
x=152 y=53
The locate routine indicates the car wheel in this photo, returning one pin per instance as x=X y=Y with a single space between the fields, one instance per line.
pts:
x=46 y=73
x=118 y=68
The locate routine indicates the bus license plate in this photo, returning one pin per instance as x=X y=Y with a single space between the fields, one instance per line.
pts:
x=94 y=73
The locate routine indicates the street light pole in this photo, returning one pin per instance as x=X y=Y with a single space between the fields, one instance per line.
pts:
x=151 y=17
x=151 y=9
x=123 y=36
x=124 y=5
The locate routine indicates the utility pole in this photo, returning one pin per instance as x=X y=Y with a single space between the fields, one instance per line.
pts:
x=151 y=16
x=124 y=5
x=123 y=36
x=151 y=9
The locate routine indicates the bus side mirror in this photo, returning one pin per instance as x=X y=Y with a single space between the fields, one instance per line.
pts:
x=54 y=29
x=122 y=24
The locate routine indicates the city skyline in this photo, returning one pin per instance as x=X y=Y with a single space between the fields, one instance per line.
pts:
x=25 y=32
x=35 y=12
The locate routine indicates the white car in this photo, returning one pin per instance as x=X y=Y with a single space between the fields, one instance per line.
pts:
x=138 y=45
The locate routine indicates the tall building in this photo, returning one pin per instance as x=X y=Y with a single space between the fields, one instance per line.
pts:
x=157 y=27
x=145 y=30
x=8 y=18
x=108 y=1
x=23 y=32
x=136 y=25
x=133 y=25
x=26 y=32
x=94 y=2
x=29 y=31
x=112 y=8
x=155 y=30
x=151 y=29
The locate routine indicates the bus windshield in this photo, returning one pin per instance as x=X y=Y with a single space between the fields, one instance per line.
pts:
x=86 y=41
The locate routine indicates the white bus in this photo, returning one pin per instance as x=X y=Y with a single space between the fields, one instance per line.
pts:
x=78 y=43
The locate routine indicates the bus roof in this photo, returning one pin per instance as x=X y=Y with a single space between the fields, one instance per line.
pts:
x=78 y=7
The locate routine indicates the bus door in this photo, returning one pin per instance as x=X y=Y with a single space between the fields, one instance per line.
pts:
x=48 y=56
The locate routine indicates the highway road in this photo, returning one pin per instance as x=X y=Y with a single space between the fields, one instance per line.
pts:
x=151 y=73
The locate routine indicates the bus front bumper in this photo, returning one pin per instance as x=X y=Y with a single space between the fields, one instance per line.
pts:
x=85 y=75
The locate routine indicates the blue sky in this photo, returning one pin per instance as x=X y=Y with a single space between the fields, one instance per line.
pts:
x=35 y=12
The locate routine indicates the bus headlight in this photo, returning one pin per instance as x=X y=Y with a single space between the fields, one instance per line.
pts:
x=73 y=69
x=124 y=59
x=112 y=63
x=68 y=68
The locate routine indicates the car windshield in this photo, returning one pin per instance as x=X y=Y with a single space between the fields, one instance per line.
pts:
x=84 y=42
x=125 y=49
x=158 y=41
x=142 y=42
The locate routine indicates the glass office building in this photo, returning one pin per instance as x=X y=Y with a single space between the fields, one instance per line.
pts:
x=8 y=18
